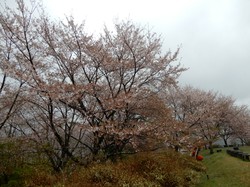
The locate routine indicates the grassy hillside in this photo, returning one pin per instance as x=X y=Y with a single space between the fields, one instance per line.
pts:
x=225 y=171
x=155 y=169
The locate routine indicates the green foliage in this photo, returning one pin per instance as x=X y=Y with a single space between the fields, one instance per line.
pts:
x=11 y=159
x=11 y=180
x=9 y=156
x=17 y=162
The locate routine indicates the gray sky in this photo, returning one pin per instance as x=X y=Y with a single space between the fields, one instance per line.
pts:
x=214 y=35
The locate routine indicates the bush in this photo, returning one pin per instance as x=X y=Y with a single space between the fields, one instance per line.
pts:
x=11 y=158
x=144 y=169
x=19 y=162
x=11 y=180
x=170 y=168
x=41 y=177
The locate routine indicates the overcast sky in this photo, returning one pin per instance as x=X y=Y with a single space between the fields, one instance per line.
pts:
x=214 y=35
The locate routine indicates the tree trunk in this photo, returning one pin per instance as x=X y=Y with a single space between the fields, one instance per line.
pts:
x=225 y=142
x=242 y=141
x=176 y=148
x=211 y=147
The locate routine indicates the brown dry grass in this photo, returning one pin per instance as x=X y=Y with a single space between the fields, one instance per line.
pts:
x=144 y=169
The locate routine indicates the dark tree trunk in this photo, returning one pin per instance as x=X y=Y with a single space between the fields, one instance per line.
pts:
x=176 y=148
x=225 y=142
x=211 y=147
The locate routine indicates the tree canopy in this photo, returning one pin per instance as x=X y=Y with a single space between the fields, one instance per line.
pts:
x=76 y=96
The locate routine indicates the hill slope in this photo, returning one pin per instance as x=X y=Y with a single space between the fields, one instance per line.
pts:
x=225 y=171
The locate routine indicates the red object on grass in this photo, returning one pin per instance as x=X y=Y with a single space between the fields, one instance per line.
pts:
x=199 y=157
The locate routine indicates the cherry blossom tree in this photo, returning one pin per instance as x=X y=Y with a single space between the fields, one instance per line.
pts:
x=106 y=77
x=10 y=89
x=66 y=72
x=53 y=129
x=229 y=114
x=241 y=124
x=194 y=108
x=207 y=115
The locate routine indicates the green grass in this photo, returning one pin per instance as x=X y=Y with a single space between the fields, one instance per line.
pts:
x=225 y=171
x=245 y=149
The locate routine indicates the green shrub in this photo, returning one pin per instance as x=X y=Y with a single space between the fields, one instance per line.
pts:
x=19 y=162
x=11 y=180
